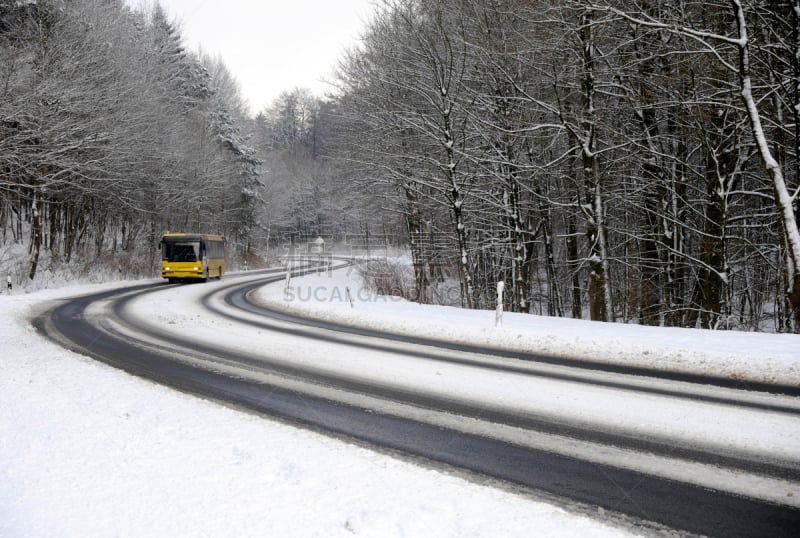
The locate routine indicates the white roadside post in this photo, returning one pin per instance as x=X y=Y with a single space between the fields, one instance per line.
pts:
x=498 y=314
x=318 y=246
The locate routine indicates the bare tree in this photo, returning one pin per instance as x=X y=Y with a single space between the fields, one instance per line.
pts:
x=712 y=43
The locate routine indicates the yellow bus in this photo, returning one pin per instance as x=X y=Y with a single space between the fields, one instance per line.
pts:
x=192 y=256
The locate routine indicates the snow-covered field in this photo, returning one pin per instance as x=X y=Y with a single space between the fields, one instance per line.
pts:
x=86 y=450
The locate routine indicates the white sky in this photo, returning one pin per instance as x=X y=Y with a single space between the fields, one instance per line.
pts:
x=272 y=45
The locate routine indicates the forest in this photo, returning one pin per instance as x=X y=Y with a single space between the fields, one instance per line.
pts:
x=626 y=160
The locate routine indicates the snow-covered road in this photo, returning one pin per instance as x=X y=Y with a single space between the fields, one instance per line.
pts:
x=535 y=393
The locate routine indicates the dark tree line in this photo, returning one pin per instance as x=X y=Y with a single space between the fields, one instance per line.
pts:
x=111 y=133
x=630 y=161
x=627 y=160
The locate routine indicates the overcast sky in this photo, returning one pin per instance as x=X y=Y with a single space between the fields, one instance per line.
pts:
x=272 y=45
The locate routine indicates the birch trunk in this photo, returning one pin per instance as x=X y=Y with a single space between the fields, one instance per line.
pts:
x=783 y=200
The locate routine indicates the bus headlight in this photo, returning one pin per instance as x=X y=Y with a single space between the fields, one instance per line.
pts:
x=167 y=269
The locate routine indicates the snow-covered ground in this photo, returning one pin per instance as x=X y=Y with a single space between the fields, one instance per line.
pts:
x=747 y=356
x=86 y=450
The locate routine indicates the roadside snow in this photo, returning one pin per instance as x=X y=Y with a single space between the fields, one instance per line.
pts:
x=746 y=356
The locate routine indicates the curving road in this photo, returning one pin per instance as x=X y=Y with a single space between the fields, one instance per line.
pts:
x=358 y=384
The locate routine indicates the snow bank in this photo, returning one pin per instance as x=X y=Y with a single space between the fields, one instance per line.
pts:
x=746 y=356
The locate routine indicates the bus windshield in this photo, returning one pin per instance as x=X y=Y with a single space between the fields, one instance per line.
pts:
x=181 y=251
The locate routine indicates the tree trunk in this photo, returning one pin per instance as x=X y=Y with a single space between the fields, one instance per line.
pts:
x=554 y=306
x=783 y=201
x=573 y=261
x=417 y=239
x=518 y=236
x=599 y=288
x=457 y=202
x=37 y=229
